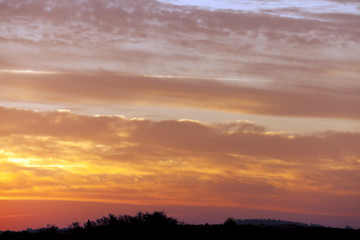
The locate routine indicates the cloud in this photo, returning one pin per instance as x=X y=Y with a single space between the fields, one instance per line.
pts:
x=148 y=37
x=195 y=137
x=107 y=88
x=147 y=53
x=281 y=66
x=59 y=155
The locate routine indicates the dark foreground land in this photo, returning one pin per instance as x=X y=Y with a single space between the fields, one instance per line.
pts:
x=158 y=226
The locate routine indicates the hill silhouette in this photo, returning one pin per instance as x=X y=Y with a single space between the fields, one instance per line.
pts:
x=273 y=222
x=158 y=225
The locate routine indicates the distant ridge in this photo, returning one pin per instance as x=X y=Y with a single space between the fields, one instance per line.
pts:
x=273 y=222
x=159 y=226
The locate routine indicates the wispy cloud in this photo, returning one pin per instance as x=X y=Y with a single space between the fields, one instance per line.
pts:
x=17 y=215
x=107 y=88
x=115 y=159
x=148 y=37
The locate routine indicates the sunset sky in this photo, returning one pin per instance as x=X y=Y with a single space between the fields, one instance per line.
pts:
x=204 y=109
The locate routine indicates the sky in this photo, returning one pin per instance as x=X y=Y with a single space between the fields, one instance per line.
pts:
x=204 y=109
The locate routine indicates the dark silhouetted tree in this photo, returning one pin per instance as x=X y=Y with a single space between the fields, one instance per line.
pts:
x=158 y=218
x=89 y=224
x=230 y=222
x=75 y=226
x=112 y=220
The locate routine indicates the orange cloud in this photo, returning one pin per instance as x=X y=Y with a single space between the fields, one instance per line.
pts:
x=59 y=155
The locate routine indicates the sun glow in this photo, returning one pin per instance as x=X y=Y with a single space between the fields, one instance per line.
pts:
x=26 y=71
x=21 y=161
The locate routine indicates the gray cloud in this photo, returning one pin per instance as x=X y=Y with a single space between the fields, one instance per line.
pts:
x=108 y=88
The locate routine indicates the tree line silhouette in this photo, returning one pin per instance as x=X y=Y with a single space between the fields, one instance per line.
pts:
x=158 y=225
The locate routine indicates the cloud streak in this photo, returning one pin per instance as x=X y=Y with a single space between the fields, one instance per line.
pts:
x=148 y=37
x=303 y=101
x=281 y=66
x=172 y=162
